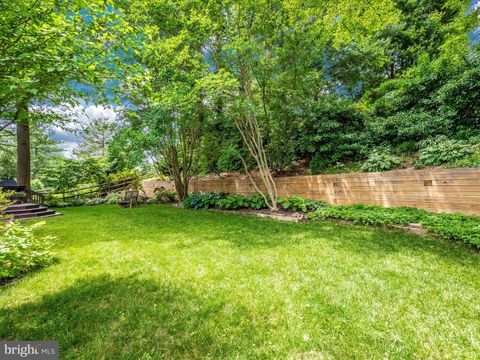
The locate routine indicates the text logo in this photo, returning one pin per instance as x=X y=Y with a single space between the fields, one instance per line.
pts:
x=30 y=350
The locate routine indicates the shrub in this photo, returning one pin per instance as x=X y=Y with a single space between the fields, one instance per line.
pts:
x=95 y=201
x=21 y=251
x=454 y=227
x=380 y=160
x=4 y=203
x=223 y=200
x=297 y=203
x=331 y=132
x=450 y=226
x=78 y=201
x=256 y=201
x=371 y=215
x=56 y=203
x=444 y=151
x=162 y=196
x=229 y=160
x=112 y=198
x=472 y=160
x=199 y=200
x=235 y=201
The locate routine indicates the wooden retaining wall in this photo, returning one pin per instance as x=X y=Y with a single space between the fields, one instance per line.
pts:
x=445 y=190
x=149 y=186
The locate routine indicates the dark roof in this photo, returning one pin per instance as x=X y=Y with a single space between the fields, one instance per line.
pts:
x=4 y=183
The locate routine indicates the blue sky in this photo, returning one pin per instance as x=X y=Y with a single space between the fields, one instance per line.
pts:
x=84 y=111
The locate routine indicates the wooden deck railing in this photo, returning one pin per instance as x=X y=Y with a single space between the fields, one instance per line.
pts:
x=32 y=196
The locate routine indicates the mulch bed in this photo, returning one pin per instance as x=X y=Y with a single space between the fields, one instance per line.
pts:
x=265 y=213
x=4 y=282
x=283 y=215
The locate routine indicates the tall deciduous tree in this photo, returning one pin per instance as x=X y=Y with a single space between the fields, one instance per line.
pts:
x=47 y=51
x=94 y=137
x=242 y=58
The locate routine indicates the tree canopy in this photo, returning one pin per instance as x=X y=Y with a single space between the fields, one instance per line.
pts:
x=269 y=86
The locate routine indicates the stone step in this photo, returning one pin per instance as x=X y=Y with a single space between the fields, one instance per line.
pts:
x=23 y=206
x=45 y=213
x=11 y=211
x=29 y=211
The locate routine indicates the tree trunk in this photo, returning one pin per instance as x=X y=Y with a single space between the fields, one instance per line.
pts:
x=249 y=129
x=181 y=189
x=23 y=146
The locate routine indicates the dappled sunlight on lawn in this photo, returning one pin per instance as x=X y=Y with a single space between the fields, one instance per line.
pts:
x=181 y=283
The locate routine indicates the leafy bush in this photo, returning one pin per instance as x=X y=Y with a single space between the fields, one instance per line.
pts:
x=371 y=215
x=450 y=226
x=162 y=196
x=95 y=201
x=229 y=159
x=78 y=201
x=380 y=160
x=444 y=151
x=297 y=203
x=56 y=203
x=199 y=200
x=4 y=203
x=110 y=199
x=333 y=131
x=454 y=227
x=473 y=160
x=235 y=201
x=221 y=200
x=21 y=251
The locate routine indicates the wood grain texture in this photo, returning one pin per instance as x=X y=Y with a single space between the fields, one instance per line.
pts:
x=441 y=190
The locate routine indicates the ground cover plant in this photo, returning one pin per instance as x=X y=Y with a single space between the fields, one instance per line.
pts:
x=20 y=249
x=451 y=226
x=161 y=282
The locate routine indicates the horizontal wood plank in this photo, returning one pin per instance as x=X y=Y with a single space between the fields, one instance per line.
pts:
x=439 y=189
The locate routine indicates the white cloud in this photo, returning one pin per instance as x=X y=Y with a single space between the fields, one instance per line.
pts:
x=79 y=115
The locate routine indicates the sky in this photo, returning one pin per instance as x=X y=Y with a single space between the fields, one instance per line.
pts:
x=82 y=113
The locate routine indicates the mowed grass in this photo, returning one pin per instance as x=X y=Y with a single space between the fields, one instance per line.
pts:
x=161 y=282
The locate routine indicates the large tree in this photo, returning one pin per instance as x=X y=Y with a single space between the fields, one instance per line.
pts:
x=50 y=53
x=95 y=135
x=240 y=60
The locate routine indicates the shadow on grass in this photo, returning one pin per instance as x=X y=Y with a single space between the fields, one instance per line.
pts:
x=246 y=232
x=131 y=318
x=164 y=223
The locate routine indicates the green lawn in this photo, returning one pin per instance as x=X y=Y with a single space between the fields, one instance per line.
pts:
x=160 y=282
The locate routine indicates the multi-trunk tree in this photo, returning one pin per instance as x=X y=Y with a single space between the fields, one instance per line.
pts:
x=239 y=61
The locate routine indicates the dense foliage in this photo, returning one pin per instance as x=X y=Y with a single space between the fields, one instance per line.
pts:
x=20 y=250
x=368 y=94
x=210 y=86
x=451 y=226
